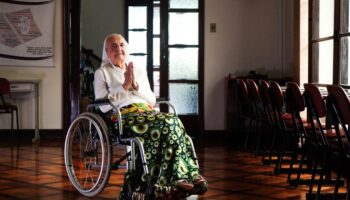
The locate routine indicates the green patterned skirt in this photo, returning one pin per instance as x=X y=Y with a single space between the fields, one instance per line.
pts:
x=168 y=151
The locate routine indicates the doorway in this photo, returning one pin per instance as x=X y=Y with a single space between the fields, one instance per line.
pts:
x=172 y=51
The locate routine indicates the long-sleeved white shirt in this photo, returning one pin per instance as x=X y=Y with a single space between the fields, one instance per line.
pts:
x=108 y=83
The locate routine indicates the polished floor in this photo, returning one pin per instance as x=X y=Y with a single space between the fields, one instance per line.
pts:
x=36 y=171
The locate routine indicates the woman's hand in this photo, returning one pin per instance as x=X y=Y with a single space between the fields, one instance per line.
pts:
x=130 y=78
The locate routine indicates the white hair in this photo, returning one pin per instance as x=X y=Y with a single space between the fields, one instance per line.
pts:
x=105 y=58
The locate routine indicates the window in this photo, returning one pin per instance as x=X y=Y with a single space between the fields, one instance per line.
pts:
x=167 y=37
x=183 y=42
x=344 y=43
x=330 y=41
x=137 y=34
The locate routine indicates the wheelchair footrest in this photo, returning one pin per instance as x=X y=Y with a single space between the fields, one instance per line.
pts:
x=117 y=164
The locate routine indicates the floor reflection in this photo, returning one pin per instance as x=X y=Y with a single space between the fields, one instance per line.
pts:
x=37 y=171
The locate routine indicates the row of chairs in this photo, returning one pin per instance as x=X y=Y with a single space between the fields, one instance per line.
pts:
x=317 y=143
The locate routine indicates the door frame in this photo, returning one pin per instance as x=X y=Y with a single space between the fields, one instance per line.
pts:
x=71 y=61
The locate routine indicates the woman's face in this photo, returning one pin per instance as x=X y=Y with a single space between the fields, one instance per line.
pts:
x=116 y=50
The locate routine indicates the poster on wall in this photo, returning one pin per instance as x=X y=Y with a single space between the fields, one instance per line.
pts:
x=27 y=32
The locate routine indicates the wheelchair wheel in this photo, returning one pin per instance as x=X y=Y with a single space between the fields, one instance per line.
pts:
x=88 y=154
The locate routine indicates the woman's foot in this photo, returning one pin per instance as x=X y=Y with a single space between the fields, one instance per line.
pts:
x=200 y=186
x=199 y=180
x=185 y=185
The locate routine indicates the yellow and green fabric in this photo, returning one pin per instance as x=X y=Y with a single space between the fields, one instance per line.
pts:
x=168 y=151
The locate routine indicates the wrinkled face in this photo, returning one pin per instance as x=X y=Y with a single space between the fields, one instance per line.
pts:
x=116 y=49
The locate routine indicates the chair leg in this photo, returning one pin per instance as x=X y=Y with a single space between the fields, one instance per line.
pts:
x=336 y=186
x=248 y=134
x=281 y=153
x=314 y=169
x=348 y=191
x=293 y=159
x=257 y=148
x=11 y=128
x=272 y=143
x=17 y=123
x=303 y=155
x=324 y=169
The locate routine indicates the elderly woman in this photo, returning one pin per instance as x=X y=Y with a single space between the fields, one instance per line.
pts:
x=168 y=150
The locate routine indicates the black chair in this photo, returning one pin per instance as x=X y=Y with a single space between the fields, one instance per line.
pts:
x=268 y=121
x=244 y=112
x=255 y=116
x=317 y=144
x=339 y=106
x=281 y=121
x=297 y=132
x=6 y=107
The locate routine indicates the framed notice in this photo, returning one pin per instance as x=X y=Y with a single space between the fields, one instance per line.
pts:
x=27 y=32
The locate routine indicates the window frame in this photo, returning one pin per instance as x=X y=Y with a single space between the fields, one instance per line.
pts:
x=163 y=68
x=337 y=37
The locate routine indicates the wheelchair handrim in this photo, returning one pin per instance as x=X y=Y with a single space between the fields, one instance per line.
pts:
x=69 y=166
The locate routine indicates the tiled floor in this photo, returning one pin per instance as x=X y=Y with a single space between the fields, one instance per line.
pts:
x=36 y=171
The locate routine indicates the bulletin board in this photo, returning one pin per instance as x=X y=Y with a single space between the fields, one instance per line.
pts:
x=27 y=32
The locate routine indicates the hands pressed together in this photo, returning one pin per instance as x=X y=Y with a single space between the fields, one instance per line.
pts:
x=129 y=81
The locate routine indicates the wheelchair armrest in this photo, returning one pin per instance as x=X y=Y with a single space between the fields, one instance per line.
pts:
x=99 y=102
x=165 y=100
x=116 y=109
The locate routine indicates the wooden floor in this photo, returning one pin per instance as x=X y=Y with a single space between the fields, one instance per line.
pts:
x=36 y=171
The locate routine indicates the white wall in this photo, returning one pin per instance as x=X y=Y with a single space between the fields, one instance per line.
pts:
x=50 y=87
x=251 y=35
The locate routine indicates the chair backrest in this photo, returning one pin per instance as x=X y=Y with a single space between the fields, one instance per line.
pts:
x=316 y=110
x=242 y=90
x=295 y=100
x=4 y=86
x=4 y=89
x=253 y=90
x=315 y=97
x=244 y=106
x=264 y=92
x=276 y=95
x=341 y=102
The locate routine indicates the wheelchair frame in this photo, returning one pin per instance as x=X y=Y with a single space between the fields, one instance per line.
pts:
x=89 y=147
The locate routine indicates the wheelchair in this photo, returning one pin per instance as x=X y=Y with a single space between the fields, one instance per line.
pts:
x=88 y=150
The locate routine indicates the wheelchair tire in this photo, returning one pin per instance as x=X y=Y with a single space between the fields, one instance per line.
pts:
x=88 y=154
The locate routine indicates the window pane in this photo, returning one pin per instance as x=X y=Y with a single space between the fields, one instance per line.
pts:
x=156 y=52
x=156 y=21
x=184 y=97
x=345 y=16
x=156 y=83
x=184 y=4
x=323 y=62
x=323 y=18
x=183 y=28
x=138 y=42
x=137 y=17
x=186 y=67
x=139 y=61
x=344 y=61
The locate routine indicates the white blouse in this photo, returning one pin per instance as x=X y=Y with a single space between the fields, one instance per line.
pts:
x=108 y=84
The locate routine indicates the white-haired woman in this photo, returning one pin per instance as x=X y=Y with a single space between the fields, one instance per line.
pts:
x=168 y=151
